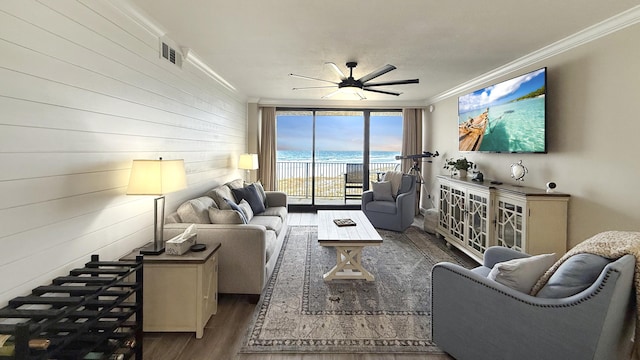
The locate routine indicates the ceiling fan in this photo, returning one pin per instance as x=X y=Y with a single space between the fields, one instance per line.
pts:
x=351 y=85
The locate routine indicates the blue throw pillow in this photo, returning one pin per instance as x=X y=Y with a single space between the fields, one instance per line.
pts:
x=576 y=274
x=252 y=196
x=237 y=208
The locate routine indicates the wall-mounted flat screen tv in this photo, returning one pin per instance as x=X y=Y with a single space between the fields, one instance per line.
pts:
x=508 y=117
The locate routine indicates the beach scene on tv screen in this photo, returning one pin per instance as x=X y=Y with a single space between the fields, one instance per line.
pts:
x=506 y=117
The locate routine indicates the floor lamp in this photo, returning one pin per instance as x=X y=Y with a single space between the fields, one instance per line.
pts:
x=156 y=177
x=248 y=162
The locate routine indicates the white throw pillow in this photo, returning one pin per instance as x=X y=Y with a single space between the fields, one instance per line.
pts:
x=218 y=216
x=521 y=274
x=382 y=191
x=246 y=209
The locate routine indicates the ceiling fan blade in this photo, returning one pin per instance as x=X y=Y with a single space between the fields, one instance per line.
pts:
x=331 y=94
x=337 y=70
x=348 y=91
x=312 y=78
x=383 y=70
x=398 y=82
x=313 y=87
x=382 y=91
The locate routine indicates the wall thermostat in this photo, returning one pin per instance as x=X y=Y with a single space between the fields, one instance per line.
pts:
x=551 y=186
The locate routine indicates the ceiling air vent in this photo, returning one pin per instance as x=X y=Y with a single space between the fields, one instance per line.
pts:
x=170 y=54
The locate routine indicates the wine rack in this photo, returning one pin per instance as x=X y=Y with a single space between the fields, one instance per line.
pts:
x=93 y=313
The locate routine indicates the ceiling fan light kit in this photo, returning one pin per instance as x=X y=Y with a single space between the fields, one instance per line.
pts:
x=350 y=85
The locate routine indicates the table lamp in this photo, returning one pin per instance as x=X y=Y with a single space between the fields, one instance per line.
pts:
x=248 y=162
x=156 y=177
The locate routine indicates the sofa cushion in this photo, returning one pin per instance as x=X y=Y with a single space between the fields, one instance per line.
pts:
x=196 y=210
x=387 y=207
x=219 y=194
x=251 y=195
x=237 y=208
x=382 y=191
x=270 y=222
x=217 y=216
x=246 y=210
x=522 y=273
x=279 y=211
x=235 y=184
x=574 y=275
x=173 y=218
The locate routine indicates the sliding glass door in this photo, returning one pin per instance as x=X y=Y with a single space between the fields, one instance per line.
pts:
x=327 y=158
x=339 y=144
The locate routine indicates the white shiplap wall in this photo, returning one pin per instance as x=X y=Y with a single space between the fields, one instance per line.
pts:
x=83 y=91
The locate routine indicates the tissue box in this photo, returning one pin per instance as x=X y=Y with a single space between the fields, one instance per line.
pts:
x=179 y=245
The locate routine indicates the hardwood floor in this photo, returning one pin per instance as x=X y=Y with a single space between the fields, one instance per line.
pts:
x=224 y=332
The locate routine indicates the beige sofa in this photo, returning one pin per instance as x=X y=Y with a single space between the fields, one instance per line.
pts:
x=249 y=251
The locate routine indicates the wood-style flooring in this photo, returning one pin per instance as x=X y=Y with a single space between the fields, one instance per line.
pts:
x=224 y=332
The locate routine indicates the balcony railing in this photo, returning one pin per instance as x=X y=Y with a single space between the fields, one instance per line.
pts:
x=294 y=178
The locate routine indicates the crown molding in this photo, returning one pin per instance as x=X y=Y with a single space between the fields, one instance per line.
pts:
x=143 y=19
x=138 y=16
x=594 y=32
x=338 y=104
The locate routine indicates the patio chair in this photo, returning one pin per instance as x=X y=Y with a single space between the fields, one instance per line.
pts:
x=353 y=177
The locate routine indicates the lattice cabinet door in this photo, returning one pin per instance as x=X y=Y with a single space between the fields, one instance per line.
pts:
x=478 y=223
x=510 y=223
x=443 y=202
x=457 y=216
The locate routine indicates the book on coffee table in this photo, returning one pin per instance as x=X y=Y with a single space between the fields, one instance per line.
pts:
x=344 y=222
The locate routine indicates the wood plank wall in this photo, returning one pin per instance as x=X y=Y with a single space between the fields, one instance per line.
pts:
x=83 y=91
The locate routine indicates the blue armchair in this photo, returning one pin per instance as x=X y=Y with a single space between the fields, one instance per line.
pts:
x=477 y=318
x=396 y=215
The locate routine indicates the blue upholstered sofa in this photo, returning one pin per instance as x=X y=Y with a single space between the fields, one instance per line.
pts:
x=478 y=318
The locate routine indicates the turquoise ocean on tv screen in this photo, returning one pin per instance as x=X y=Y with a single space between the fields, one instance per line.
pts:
x=513 y=127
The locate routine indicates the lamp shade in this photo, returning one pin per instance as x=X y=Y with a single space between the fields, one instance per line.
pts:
x=156 y=177
x=248 y=161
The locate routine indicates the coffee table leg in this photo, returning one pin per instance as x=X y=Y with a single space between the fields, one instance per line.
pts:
x=348 y=259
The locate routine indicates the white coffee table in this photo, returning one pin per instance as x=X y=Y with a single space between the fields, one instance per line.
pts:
x=348 y=241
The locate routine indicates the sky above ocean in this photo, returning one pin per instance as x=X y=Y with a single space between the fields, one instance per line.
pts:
x=338 y=133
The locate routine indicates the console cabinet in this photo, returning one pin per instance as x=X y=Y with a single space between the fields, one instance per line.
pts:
x=477 y=215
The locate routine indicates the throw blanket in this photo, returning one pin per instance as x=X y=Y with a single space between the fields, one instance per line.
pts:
x=612 y=245
x=395 y=178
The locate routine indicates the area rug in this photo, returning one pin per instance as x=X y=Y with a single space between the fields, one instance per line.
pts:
x=300 y=312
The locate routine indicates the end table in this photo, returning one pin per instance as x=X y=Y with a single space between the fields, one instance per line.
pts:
x=180 y=291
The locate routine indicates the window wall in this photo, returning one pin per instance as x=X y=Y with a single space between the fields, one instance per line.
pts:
x=326 y=158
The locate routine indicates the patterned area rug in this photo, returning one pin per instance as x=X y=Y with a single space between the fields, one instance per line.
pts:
x=300 y=312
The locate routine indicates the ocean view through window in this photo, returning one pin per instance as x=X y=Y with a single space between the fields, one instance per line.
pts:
x=316 y=147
